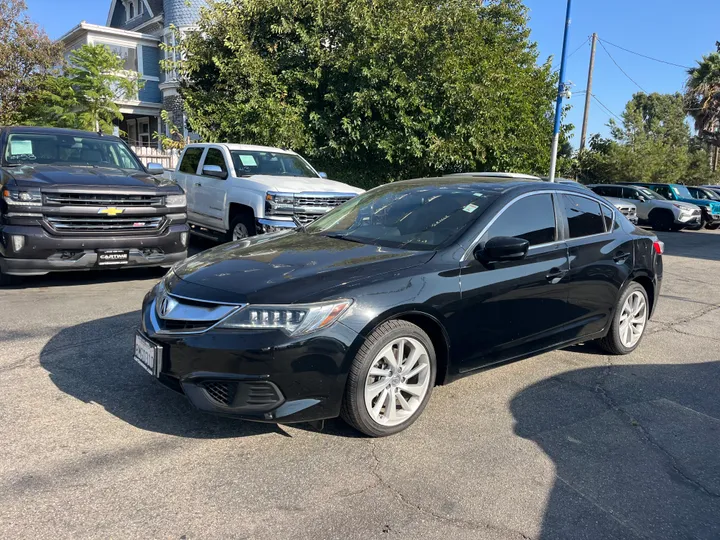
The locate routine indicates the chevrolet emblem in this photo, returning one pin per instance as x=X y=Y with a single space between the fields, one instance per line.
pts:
x=111 y=211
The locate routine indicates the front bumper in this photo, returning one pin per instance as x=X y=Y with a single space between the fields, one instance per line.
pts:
x=42 y=252
x=263 y=376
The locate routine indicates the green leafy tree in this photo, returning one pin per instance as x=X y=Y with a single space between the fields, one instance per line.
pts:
x=85 y=94
x=651 y=145
x=374 y=91
x=25 y=52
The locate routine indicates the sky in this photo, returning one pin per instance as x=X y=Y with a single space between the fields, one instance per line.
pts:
x=663 y=29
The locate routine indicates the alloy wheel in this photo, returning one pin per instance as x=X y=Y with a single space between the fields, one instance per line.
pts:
x=397 y=382
x=633 y=319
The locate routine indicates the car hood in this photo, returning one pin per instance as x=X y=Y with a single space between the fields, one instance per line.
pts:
x=715 y=206
x=48 y=176
x=285 y=268
x=620 y=203
x=296 y=184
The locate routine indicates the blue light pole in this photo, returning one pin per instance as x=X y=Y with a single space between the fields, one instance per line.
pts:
x=561 y=94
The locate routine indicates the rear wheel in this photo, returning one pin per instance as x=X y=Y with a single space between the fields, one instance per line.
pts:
x=390 y=380
x=629 y=323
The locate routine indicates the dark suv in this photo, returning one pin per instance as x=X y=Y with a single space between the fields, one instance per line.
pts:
x=73 y=200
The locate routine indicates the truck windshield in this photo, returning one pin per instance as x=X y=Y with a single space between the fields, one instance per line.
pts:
x=52 y=149
x=248 y=163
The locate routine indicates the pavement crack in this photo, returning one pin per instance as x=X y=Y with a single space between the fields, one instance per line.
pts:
x=455 y=522
x=645 y=434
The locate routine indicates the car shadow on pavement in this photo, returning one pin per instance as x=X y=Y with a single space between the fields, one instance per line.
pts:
x=704 y=245
x=635 y=450
x=93 y=362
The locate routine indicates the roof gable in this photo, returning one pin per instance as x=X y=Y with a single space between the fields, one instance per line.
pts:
x=117 y=17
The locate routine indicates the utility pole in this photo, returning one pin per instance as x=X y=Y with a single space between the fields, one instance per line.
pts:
x=588 y=95
x=561 y=93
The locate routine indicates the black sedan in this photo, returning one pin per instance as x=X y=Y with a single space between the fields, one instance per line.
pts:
x=411 y=285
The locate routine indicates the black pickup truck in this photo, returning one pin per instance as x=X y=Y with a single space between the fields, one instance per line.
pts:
x=73 y=200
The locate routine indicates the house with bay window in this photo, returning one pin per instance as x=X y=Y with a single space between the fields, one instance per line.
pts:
x=134 y=31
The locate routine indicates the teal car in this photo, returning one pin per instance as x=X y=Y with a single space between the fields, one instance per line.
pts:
x=678 y=192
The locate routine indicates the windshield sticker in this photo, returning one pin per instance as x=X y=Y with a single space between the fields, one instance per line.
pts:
x=479 y=194
x=21 y=148
x=248 y=161
x=470 y=208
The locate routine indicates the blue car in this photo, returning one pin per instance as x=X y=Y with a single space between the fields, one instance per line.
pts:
x=679 y=192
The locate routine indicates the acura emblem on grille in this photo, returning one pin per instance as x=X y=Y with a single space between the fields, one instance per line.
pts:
x=165 y=305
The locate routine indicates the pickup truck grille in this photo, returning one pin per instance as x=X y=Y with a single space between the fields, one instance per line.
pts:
x=102 y=199
x=104 y=223
x=302 y=201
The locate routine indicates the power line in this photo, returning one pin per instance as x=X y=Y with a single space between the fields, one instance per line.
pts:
x=621 y=69
x=648 y=57
x=604 y=107
x=573 y=53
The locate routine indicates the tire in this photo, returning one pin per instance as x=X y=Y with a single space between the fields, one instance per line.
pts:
x=662 y=220
x=712 y=226
x=356 y=406
x=615 y=343
x=241 y=221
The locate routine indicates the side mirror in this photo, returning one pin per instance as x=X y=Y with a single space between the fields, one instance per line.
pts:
x=501 y=249
x=322 y=175
x=642 y=199
x=155 y=168
x=214 y=171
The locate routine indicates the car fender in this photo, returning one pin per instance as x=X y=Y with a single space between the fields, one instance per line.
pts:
x=247 y=193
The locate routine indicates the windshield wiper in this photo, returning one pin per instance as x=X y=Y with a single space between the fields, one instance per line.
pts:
x=344 y=237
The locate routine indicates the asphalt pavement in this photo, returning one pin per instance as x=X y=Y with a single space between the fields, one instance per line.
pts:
x=572 y=444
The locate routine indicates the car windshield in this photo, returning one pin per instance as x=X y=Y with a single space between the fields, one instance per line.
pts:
x=650 y=194
x=60 y=149
x=248 y=163
x=408 y=215
x=682 y=192
x=708 y=194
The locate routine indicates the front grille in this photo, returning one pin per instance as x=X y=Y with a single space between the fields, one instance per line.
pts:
x=102 y=199
x=184 y=326
x=307 y=201
x=306 y=218
x=104 y=223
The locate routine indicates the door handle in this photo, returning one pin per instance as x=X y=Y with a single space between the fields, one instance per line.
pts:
x=621 y=257
x=555 y=275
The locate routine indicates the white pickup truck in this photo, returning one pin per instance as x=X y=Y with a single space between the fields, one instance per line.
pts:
x=238 y=190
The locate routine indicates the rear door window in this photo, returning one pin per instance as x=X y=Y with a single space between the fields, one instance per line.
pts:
x=584 y=216
x=191 y=160
x=531 y=218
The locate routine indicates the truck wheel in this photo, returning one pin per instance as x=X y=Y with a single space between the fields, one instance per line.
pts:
x=241 y=227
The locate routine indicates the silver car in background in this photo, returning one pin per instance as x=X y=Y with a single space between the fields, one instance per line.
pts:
x=653 y=209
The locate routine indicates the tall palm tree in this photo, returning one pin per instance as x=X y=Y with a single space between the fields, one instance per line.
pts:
x=702 y=91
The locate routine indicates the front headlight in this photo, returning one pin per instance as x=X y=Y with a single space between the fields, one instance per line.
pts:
x=28 y=197
x=176 y=201
x=279 y=203
x=293 y=319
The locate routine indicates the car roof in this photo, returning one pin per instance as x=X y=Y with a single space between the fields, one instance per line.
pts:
x=499 y=183
x=57 y=131
x=245 y=147
x=518 y=176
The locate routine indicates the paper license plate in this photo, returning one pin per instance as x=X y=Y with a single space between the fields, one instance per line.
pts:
x=148 y=355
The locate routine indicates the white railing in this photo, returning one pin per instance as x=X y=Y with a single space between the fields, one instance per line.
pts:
x=149 y=154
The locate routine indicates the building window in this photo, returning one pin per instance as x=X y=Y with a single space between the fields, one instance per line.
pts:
x=133 y=8
x=127 y=54
x=131 y=11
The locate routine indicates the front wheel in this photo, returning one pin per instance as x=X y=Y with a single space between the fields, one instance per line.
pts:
x=712 y=226
x=629 y=323
x=241 y=227
x=390 y=380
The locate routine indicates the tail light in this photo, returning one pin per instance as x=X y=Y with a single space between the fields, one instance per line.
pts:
x=659 y=247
